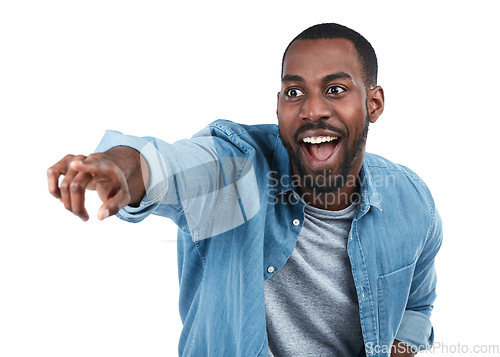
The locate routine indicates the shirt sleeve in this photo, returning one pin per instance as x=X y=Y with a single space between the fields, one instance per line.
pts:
x=205 y=184
x=416 y=329
x=158 y=182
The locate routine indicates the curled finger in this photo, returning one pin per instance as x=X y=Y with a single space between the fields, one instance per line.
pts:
x=64 y=188
x=56 y=171
x=77 y=194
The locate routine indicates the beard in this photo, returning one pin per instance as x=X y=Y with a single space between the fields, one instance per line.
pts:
x=323 y=181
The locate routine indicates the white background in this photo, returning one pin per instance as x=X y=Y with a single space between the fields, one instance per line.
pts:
x=69 y=70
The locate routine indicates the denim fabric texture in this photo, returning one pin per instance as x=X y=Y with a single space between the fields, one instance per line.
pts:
x=230 y=191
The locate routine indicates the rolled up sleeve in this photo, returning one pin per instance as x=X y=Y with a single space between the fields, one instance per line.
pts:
x=416 y=331
x=158 y=173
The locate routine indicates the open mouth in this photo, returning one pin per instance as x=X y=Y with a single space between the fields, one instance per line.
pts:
x=320 y=148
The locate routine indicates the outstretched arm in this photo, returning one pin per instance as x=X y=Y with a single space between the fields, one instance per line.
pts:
x=116 y=175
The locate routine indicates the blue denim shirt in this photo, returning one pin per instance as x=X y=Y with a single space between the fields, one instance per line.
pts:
x=230 y=191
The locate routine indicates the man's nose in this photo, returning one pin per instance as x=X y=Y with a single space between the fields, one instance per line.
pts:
x=315 y=107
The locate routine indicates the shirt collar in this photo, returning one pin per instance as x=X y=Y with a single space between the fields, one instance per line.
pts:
x=281 y=167
x=369 y=194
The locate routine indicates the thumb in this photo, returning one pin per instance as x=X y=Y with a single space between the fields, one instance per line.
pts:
x=112 y=205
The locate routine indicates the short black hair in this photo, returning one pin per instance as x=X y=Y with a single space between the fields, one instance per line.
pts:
x=367 y=56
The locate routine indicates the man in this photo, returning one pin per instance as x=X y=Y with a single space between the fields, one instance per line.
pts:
x=292 y=240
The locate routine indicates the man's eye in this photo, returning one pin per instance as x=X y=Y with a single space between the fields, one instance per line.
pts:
x=294 y=93
x=335 y=90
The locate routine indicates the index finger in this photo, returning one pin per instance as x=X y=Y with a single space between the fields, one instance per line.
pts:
x=91 y=164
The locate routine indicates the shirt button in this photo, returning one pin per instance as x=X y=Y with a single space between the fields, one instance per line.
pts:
x=270 y=269
x=296 y=222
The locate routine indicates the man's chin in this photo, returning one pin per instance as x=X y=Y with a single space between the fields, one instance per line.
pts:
x=320 y=181
x=324 y=185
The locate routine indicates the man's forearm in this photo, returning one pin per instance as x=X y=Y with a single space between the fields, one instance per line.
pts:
x=399 y=349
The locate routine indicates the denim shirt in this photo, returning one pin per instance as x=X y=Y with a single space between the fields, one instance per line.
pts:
x=230 y=191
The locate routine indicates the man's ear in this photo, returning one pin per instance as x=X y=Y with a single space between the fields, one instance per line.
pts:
x=375 y=103
x=277 y=103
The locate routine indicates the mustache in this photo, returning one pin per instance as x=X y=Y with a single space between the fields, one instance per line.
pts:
x=317 y=126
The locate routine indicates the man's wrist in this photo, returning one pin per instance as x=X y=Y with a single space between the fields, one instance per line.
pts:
x=129 y=161
x=400 y=349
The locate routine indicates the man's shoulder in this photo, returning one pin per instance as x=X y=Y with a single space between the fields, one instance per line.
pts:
x=378 y=165
x=230 y=128
x=251 y=139
x=389 y=177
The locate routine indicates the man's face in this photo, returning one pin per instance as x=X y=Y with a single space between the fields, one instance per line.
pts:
x=323 y=112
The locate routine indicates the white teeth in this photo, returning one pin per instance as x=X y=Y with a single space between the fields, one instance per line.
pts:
x=319 y=139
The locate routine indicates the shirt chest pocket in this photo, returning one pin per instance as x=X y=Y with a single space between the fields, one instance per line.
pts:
x=393 y=290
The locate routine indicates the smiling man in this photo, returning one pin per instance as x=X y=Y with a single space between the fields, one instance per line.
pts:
x=325 y=105
x=292 y=240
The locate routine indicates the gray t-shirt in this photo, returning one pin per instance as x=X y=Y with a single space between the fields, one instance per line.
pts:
x=311 y=302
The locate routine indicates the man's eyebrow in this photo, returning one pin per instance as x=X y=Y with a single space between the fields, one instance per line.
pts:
x=292 y=78
x=327 y=78
x=338 y=75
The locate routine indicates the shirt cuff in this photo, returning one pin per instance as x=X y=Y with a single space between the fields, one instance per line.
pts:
x=158 y=182
x=416 y=331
